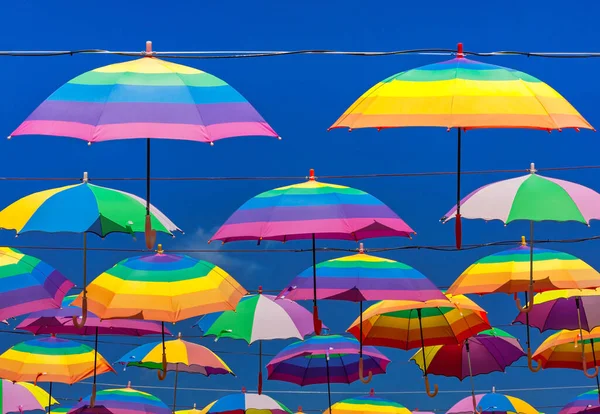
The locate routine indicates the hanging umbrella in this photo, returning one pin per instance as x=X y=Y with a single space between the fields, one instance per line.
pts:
x=557 y=309
x=162 y=287
x=51 y=359
x=324 y=360
x=462 y=94
x=82 y=208
x=511 y=271
x=183 y=356
x=489 y=351
x=22 y=396
x=60 y=321
x=588 y=402
x=312 y=210
x=362 y=277
x=259 y=318
x=194 y=410
x=146 y=98
x=407 y=324
x=493 y=403
x=122 y=401
x=27 y=284
x=368 y=404
x=246 y=403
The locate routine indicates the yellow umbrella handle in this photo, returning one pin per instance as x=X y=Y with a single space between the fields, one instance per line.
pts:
x=84 y=312
x=162 y=374
x=93 y=396
x=530 y=362
x=529 y=306
x=428 y=390
x=361 y=372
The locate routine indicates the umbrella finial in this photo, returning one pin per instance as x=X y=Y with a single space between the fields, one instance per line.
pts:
x=243 y=390
x=493 y=389
x=361 y=248
x=372 y=392
x=160 y=249
x=85 y=177
x=148 y=47
x=523 y=241
x=194 y=406
x=459 y=51
x=128 y=384
x=179 y=335
x=299 y=408
x=260 y=290
x=532 y=169
x=311 y=174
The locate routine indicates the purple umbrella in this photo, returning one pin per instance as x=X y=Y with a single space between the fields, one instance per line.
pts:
x=325 y=360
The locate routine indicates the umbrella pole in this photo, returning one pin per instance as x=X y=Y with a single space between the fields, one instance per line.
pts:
x=458 y=224
x=150 y=234
x=175 y=387
x=435 y=386
x=260 y=378
x=529 y=354
x=84 y=304
x=50 y=398
x=470 y=375
x=328 y=383
x=93 y=397
x=583 y=361
x=316 y=321
x=361 y=368
x=162 y=374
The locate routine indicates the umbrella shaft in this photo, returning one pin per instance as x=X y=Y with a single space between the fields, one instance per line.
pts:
x=328 y=384
x=95 y=354
x=50 y=399
x=175 y=387
x=458 y=141
x=147 y=176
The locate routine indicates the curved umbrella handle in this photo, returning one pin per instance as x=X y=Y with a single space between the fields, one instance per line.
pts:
x=479 y=410
x=37 y=377
x=529 y=306
x=150 y=234
x=584 y=364
x=84 y=312
x=162 y=374
x=530 y=362
x=93 y=396
x=428 y=390
x=361 y=372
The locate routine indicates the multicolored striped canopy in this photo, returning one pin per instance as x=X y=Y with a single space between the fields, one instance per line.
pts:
x=557 y=309
x=588 y=402
x=82 y=208
x=563 y=350
x=259 y=318
x=246 y=403
x=395 y=323
x=362 y=277
x=368 y=404
x=51 y=359
x=462 y=93
x=307 y=362
x=299 y=211
x=493 y=403
x=182 y=356
x=122 y=401
x=531 y=197
x=145 y=98
x=509 y=271
x=22 y=396
x=162 y=287
x=60 y=321
x=491 y=350
x=28 y=285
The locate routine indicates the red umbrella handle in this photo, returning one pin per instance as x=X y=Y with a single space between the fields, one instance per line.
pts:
x=458 y=231
x=361 y=372
x=317 y=323
x=428 y=388
x=530 y=362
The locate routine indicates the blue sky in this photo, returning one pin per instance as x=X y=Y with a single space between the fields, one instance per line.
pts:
x=300 y=96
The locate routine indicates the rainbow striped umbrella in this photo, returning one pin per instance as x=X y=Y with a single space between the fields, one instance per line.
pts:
x=463 y=94
x=22 y=396
x=246 y=403
x=493 y=403
x=408 y=324
x=324 y=360
x=588 y=402
x=146 y=98
x=27 y=284
x=121 y=401
x=312 y=210
x=368 y=404
x=162 y=287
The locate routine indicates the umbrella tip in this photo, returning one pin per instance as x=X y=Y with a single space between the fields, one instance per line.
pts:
x=493 y=389
x=85 y=177
x=148 y=47
x=299 y=408
x=532 y=169
x=243 y=390
x=260 y=290
x=523 y=241
x=160 y=249
x=311 y=174
x=194 y=406
x=361 y=248
x=459 y=50
x=179 y=335
x=9 y=137
x=372 y=392
x=128 y=384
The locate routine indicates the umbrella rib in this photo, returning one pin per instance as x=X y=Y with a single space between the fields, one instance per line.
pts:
x=345 y=370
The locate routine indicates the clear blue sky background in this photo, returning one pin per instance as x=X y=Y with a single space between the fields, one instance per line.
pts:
x=300 y=96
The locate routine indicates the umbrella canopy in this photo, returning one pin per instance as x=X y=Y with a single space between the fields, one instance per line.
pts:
x=587 y=402
x=82 y=208
x=246 y=403
x=162 y=287
x=368 y=404
x=259 y=318
x=122 y=401
x=194 y=410
x=183 y=356
x=60 y=321
x=395 y=323
x=362 y=277
x=51 y=359
x=27 y=284
x=323 y=359
x=557 y=309
x=21 y=396
x=489 y=351
x=568 y=349
x=508 y=272
x=493 y=403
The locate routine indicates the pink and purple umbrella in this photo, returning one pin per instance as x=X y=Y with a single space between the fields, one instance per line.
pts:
x=588 y=402
x=312 y=210
x=324 y=360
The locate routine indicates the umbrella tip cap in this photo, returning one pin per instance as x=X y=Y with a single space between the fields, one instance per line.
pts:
x=260 y=291
x=372 y=392
x=243 y=390
x=523 y=241
x=532 y=169
x=85 y=177
x=361 y=248
x=128 y=384
x=459 y=50
x=160 y=250
x=148 y=47
x=311 y=174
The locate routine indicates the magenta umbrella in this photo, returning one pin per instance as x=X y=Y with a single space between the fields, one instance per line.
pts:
x=312 y=210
